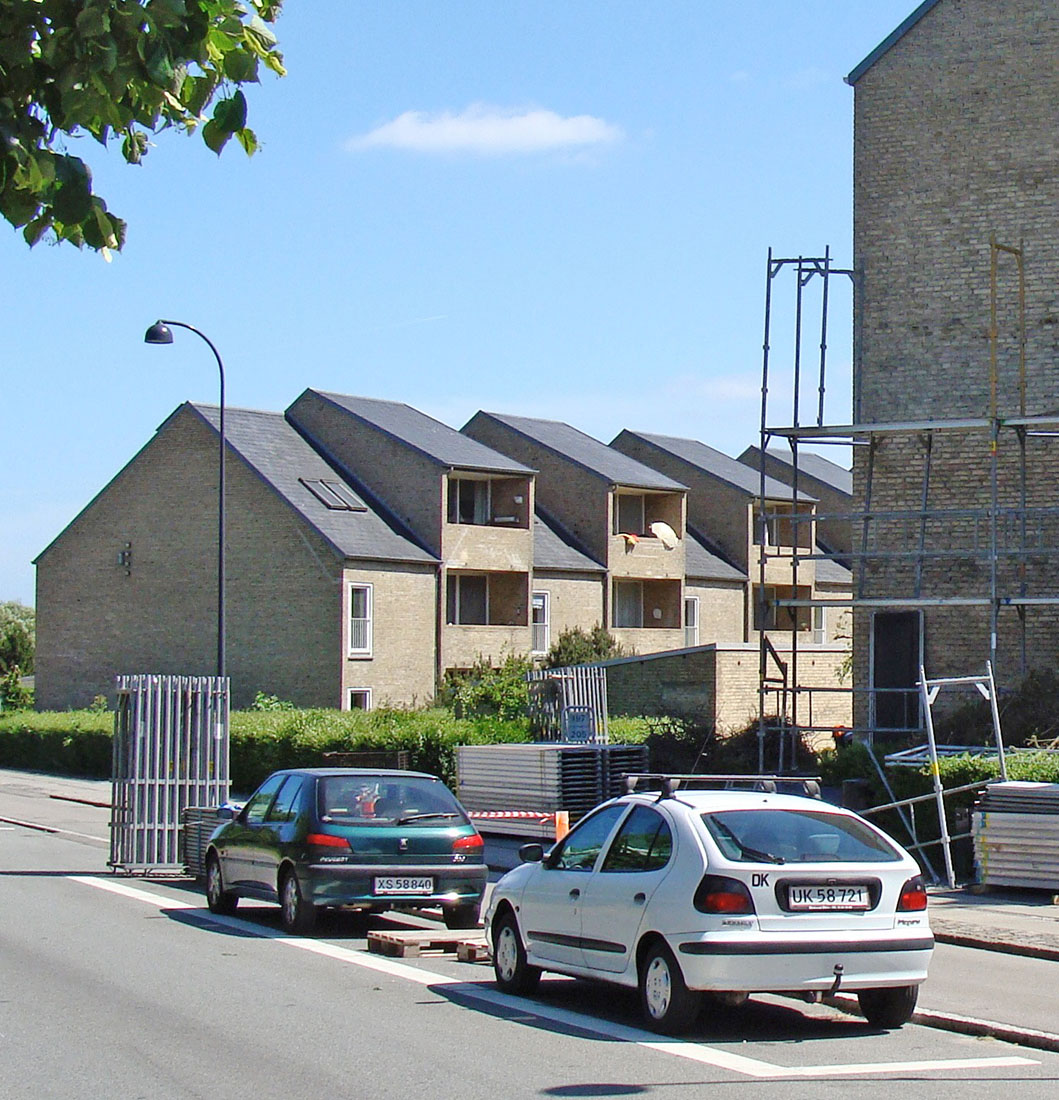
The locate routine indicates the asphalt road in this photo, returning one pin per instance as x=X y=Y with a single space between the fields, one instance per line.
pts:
x=128 y=987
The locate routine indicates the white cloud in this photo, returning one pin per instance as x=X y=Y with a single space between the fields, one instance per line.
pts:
x=490 y=131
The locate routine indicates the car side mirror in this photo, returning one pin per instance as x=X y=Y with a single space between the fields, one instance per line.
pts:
x=531 y=853
x=229 y=811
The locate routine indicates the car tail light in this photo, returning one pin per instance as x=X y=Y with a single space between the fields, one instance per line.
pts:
x=472 y=843
x=326 y=840
x=719 y=894
x=913 y=896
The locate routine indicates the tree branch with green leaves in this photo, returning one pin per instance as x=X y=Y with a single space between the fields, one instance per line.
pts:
x=117 y=71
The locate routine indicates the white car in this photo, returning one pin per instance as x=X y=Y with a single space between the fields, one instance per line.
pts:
x=680 y=892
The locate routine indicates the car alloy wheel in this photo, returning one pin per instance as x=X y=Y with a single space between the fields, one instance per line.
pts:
x=513 y=973
x=218 y=899
x=299 y=915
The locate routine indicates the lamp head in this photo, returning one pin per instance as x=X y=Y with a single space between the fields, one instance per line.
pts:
x=158 y=333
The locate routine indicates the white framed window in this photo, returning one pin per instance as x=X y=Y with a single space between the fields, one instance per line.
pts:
x=819 y=625
x=468 y=599
x=360 y=698
x=540 y=606
x=691 y=620
x=628 y=514
x=628 y=604
x=359 y=605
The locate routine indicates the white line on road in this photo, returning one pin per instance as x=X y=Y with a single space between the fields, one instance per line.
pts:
x=695 y=1052
x=37 y=827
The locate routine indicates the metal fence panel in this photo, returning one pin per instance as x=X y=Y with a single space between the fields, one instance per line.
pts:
x=171 y=751
x=560 y=698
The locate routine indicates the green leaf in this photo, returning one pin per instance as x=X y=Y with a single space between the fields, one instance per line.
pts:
x=230 y=114
x=73 y=201
x=160 y=67
x=92 y=22
x=240 y=67
x=215 y=136
x=248 y=140
x=36 y=229
x=19 y=205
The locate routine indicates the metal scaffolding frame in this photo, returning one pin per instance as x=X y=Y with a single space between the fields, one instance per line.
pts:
x=1001 y=531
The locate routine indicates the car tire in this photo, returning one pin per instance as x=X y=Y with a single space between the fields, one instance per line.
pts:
x=888 y=1007
x=219 y=900
x=299 y=915
x=460 y=916
x=513 y=973
x=668 y=1005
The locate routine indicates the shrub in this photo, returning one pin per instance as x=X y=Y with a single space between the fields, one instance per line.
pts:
x=487 y=690
x=582 y=647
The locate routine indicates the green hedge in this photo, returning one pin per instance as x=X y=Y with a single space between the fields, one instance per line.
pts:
x=79 y=742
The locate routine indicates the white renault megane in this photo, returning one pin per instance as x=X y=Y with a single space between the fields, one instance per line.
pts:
x=681 y=892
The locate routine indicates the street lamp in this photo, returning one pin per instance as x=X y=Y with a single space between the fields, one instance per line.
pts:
x=159 y=333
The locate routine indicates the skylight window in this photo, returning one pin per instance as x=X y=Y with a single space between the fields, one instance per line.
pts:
x=334 y=495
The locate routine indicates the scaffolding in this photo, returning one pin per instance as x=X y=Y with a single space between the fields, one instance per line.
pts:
x=995 y=537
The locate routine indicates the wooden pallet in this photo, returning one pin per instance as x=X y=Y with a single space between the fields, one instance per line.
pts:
x=416 y=942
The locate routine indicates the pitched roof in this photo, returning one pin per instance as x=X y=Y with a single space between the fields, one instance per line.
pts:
x=285 y=462
x=891 y=39
x=704 y=561
x=814 y=465
x=832 y=570
x=588 y=453
x=717 y=464
x=554 y=548
x=445 y=445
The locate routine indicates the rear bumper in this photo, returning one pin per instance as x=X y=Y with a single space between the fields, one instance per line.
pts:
x=777 y=963
x=353 y=884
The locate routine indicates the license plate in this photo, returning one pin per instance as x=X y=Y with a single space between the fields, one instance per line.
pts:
x=828 y=897
x=403 y=884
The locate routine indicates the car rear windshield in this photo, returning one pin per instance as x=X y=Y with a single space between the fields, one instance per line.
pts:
x=797 y=836
x=387 y=800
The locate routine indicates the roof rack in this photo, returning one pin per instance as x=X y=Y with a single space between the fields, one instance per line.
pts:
x=669 y=782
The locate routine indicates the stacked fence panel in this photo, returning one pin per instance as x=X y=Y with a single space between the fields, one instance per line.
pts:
x=1015 y=826
x=170 y=752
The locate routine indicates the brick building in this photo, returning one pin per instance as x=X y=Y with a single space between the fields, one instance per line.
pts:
x=955 y=189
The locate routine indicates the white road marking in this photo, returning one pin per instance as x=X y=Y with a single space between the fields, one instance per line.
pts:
x=52 y=829
x=695 y=1052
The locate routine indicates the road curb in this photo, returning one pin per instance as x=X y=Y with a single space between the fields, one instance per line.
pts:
x=960 y=939
x=963 y=1025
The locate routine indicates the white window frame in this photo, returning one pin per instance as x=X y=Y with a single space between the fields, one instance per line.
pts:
x=546 y=625
x=691 y=630
x=819 y=625
x=638 y=585
x=458 y=608
x=368 y=620
x=771 y=611
x=366 y=692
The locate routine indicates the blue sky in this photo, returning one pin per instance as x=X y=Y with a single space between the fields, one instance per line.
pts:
x=551 y=209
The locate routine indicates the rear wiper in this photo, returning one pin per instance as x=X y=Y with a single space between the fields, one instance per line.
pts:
x=745 y=849
x=421 y=817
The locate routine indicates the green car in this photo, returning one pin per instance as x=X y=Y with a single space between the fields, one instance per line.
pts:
x=310 y=838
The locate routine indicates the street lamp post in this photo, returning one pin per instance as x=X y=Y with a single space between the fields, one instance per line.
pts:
x=159 y=333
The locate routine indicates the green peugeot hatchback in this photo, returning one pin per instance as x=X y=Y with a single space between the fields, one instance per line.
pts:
x=310 y=838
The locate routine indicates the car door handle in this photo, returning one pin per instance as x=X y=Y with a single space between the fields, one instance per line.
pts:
x=575 y=893
x=639 y=898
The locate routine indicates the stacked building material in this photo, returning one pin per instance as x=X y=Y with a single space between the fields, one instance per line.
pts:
x=1015 y=826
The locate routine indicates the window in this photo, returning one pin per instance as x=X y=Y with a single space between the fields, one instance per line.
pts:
x=360 y=599
x=691 y=620
x=360 y=698
x=819 y=625
x=541 y=607
x=764 y=607
x=629 y=514
x=283 y=809
x=334 y=495
x=644 y=843
x=468 y=599
x=628 y=604
x=261 y=799
x=583 y=844
x=469 y=500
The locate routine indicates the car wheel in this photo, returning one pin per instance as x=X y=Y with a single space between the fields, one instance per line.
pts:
x=299 y=915
x=460 y=916
x=513 y=973
x=888 y=1007
x=218 y=899
x=668 y=1005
